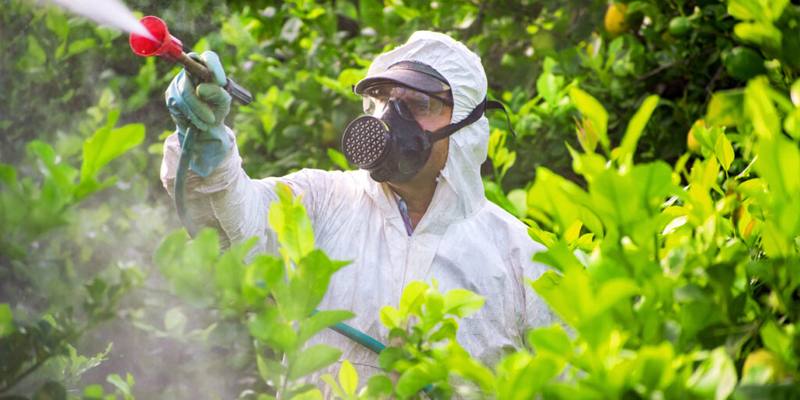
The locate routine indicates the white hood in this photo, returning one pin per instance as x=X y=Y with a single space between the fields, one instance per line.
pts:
x=463 y=70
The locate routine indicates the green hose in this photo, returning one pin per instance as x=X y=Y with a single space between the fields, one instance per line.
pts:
x=357 y=336
x=180 y=181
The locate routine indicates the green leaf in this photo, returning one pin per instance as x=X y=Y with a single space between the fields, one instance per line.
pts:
x=269 y=369
x=6 y=320
x=628 y=199
x=594 y=111
x=123 y=386
x=288 y=218
x=560 y=257
x=264 y=273
x=552 y=339
x=338 y=159
x=551 y=288
x=308 y=285
x=269 y=327
x=350 y=76
x=335 y=387
x=413 y=380
x=654 y=366
x=635 y=128
x=776 y=157
x=759 y=108
x=547 y=86
x=57 y=23
x=79 y=46
x=320 y=321
x=8 y=174
x=519 y=199
x=187 y=265
x=230 y=271
x=725 y=108
x=371 y=12
x=390 y=356
x=744 y=9
x=724 y=151
x=556 y=201
x=60 y=175
x=715 y=377
x=390 y=317
x=759 y=10
x=413 y=297
x=34 y=58
x=305 y=392
x=459 y=362
x=93 y=392
x=462 y=302
x=760 y=34
x=348 y=378
x=107 y=144
x=379 y=386
x=613 y=291
x=312 y=359
x=514 y=377
x=775 y=339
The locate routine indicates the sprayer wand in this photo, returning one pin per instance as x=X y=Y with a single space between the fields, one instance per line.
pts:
x=161 y=43
x=164 y=45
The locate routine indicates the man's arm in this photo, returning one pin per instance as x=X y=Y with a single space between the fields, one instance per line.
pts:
x=227 y=199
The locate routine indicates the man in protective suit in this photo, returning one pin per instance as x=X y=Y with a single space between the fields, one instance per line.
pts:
x=410 y=218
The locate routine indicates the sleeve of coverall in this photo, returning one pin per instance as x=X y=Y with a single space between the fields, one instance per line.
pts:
x=226 y=200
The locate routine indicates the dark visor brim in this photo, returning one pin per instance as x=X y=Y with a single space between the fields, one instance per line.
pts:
x=405 y=77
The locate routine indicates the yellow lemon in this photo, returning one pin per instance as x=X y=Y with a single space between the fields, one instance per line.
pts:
x=615 y=19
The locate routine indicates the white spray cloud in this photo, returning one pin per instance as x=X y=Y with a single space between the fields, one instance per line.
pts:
x=106 y=12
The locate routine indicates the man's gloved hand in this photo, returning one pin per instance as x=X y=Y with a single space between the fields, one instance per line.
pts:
x=204 y=109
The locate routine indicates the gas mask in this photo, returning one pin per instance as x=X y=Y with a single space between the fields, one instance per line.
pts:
x=394 y=147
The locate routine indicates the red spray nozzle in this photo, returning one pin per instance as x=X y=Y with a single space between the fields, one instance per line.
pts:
x=169 y=47
x=164 y=44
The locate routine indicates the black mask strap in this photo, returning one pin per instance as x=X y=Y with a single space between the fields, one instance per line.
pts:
x=473 y=116
x=496 y=105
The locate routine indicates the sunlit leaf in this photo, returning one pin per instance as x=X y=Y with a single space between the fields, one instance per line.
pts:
x=715 y=377
x=313 y=359
x=594 y=111
x=108 y=143
x=288 y=218
x=320 y=321
x=724 y=151
x=635 y=128
x=348 y=378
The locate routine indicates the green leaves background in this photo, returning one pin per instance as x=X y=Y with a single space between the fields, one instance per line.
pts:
x=674 y=271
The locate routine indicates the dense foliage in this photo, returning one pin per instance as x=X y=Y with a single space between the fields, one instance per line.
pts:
x=657 y=157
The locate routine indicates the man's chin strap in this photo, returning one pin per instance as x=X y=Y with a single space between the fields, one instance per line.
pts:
x=473 y=116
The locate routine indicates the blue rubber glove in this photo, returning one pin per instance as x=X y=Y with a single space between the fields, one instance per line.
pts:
x=203 y=107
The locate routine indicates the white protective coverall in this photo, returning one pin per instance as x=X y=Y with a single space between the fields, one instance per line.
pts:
x=462 y=241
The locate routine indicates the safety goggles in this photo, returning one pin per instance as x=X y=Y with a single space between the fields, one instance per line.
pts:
x=419 y=104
